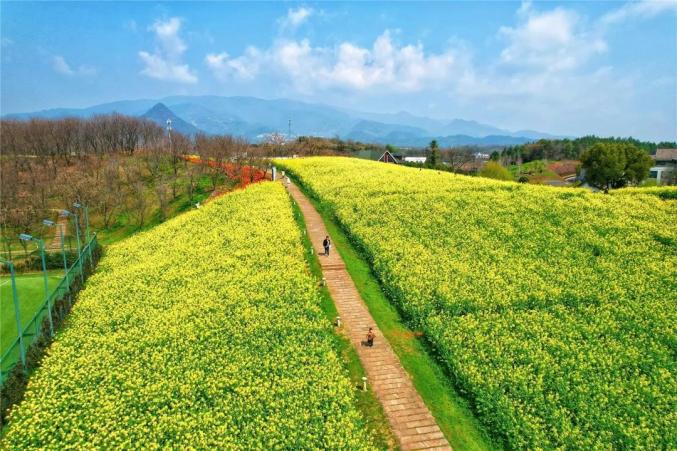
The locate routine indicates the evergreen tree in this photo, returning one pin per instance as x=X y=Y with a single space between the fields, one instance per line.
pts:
x=434 y=155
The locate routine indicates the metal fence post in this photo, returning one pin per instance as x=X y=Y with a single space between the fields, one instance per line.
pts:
x=41 y=245
x=17 y=315
x=89 y=240
x=77 y=235
x=65 y=261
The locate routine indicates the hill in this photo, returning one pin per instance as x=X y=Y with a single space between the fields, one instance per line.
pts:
x=553 y=309
x=205 y=332
x=159 y=114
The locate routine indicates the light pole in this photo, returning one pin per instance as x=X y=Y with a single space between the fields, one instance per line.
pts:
x=86 y=209
x=169 y=134
x=88 y=245
x=49 y=223
x=17 y=315
x=41 y=246
x=77 y=236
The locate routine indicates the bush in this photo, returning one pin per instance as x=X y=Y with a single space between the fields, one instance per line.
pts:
x=494 y=170
x=53 y=260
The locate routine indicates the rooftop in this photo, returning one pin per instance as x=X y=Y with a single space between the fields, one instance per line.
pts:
x=665 y=154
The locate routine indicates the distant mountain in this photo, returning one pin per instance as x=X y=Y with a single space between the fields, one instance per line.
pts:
x=404 y=139
x=255 y=118
x=372 y=131
x=159 y=114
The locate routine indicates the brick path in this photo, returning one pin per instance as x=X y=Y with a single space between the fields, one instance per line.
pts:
x=410 y=419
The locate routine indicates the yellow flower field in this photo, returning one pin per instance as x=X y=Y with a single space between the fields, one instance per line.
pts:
x=553 y=309
x=205 y=332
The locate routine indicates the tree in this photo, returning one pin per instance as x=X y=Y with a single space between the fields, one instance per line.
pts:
x=615 y=165
x=456 y=158
x=434 y=158
x=494 y=170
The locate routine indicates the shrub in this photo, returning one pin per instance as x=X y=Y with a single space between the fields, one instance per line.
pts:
x=494 y=170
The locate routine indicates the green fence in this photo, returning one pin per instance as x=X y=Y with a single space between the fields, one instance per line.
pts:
x=37 y=327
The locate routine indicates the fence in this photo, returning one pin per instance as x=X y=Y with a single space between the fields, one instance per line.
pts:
x=51 y=306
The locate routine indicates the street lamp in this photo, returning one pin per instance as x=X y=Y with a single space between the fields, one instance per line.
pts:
x=49 y=223
x=77 y=236
x=41 y=246
x=80 y=206
x=17 y=314
x=88 y=245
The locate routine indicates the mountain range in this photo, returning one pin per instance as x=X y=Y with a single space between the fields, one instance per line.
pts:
x=255 y=118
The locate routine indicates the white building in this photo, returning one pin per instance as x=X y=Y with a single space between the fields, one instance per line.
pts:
x=664 y=170
x=414 y=159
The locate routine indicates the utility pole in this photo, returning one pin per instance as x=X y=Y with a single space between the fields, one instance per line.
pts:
x=169 y=133
x=289 y=132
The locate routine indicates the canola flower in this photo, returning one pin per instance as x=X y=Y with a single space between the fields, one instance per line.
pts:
x=554 y=309
x=202 y=333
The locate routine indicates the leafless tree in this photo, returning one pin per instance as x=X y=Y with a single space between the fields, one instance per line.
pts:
x=456 y=158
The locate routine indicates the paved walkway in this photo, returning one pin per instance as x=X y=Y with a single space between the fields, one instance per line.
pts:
x=55 y=244
x=410 y=419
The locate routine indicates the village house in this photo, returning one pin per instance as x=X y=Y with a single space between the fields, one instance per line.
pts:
x=388 y=157
x=664 y=170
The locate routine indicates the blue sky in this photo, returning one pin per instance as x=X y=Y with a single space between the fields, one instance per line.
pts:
x=574 y=68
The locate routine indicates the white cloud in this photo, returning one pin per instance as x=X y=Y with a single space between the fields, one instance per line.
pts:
x=245 y=67
x=166 y=62
x=545 y=76
x=162 y=69
x=384 y=65
x=642 y=9
x=295 y=17
x=552 y=40
x=61 y=66
x=167 y=34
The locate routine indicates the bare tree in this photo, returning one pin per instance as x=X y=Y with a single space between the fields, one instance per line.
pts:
x=456 y=158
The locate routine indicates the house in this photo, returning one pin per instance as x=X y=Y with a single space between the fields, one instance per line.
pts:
x=387 y=157
x=664 y=170
x=420 y=160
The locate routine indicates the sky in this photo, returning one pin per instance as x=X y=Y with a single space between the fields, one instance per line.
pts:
x=571 y=68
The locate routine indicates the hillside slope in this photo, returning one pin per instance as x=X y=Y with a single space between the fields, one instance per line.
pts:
x=553 y=309
x=205 y=332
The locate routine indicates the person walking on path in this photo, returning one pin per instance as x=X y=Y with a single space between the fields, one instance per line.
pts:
x=327 y=244
x=370 y=337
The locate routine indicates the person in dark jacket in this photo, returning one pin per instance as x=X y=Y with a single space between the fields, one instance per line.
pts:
x=327 y=244
x=370 y=337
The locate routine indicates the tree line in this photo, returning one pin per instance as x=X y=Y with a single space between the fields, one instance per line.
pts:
x=568 y=149
x=117 y=165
